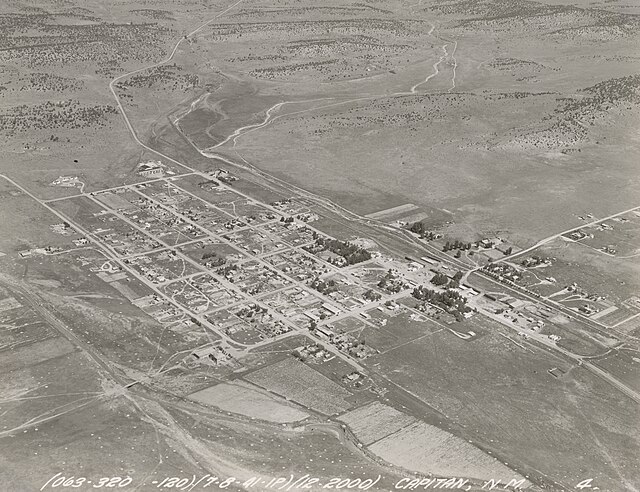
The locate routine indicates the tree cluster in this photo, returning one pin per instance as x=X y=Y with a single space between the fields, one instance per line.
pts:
x=456 y=245
x=449 y=300
x=324 y=287
x=391 y=282
x=420 y=229
x=372 y=295
x=350 y=252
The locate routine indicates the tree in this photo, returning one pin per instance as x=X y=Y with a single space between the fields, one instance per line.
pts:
x=439 y=279
x=371 y=295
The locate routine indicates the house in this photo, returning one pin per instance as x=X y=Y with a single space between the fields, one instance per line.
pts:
x=351 y=378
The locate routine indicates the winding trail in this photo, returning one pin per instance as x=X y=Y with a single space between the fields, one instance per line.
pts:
x=436 y=71
x=269 y=118
x=455 y=66
x=255 y=126
x=155 y=65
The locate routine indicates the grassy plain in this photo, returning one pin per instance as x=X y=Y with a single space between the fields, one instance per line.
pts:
x=494 y=136
x=501 y=396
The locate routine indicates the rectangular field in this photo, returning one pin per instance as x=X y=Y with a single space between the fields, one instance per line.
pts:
x=297 y=381
x=250 y=402
x=426 y=449
x=375 y=421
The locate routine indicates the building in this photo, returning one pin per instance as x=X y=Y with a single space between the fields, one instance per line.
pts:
x=324 y=332
x=311 y=316
x=332 y=309
x=151 y=169
x=431 y=261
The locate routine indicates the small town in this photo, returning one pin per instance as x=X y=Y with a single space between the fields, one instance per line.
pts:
x=250 y=272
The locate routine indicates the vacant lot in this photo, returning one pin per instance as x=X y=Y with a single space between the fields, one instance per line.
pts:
x=24 y=224
x=624 y=365
x=34 y=353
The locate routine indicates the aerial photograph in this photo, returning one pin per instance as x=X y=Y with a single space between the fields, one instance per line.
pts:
x=297 y=245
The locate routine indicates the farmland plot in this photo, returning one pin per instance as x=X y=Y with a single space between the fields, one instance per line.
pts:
x=297 y=381
x=249 y=402
x=424 y=448
x=375 y=421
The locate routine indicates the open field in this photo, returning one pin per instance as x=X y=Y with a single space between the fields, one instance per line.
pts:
x=397 y=330
x=414 y=445
x=35 y=353
x=625 y=364
x=494 y=68
x=298 y=382
x=375 y=421
x=19 y=234
x=247 y=401
x=20 y=325
x=427 y=449
x=502 y=395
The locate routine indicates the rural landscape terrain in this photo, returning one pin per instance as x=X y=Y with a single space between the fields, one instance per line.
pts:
x=293 y=245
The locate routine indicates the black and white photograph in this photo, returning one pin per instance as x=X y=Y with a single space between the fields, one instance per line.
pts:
x=314 y=245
